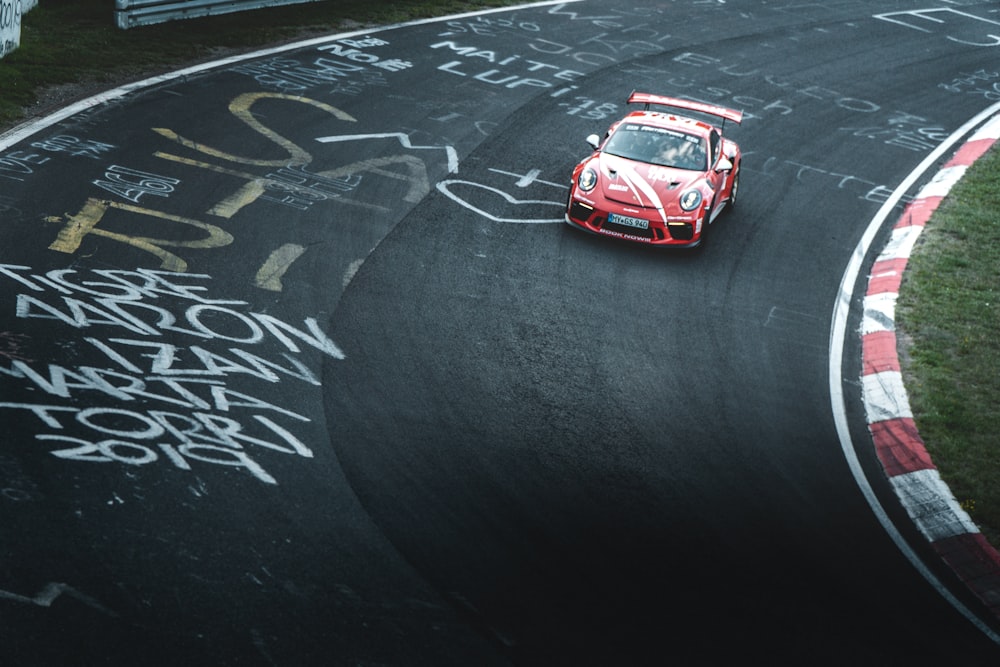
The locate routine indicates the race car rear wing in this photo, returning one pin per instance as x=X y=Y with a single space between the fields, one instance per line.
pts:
x=710 y=109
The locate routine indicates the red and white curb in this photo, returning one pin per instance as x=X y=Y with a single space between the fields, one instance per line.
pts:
x=924 y=495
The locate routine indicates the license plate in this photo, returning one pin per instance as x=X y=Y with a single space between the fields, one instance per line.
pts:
x=638 y=223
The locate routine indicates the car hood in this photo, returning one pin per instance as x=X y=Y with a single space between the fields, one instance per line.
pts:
x=641 y=184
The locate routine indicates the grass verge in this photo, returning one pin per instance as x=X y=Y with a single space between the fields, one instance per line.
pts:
x=949 y=314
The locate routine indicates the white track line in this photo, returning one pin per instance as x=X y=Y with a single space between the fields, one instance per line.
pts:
x=838 y=331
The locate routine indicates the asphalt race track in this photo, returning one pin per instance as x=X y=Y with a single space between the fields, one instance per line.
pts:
x=301 y=366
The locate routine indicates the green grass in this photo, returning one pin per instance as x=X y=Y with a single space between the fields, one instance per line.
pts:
x=949 y=308
x=68 y=41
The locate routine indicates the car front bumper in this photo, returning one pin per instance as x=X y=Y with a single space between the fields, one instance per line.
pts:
x=675 y=233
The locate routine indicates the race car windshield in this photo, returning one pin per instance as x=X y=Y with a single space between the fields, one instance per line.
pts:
x=659 y=146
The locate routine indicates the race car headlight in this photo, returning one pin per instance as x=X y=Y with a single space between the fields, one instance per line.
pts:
x=690 y=199
x=587 y=179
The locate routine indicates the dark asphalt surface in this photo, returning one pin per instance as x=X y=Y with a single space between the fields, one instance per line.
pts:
x=300 y=371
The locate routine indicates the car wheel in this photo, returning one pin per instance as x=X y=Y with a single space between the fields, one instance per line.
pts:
x=735 y=190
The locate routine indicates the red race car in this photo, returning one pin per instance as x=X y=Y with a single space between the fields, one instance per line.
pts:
x=657 y=178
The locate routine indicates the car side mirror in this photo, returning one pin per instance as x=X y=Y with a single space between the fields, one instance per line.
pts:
x=594 y=141
x=724 y=165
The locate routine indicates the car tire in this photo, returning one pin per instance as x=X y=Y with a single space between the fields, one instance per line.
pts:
x=735 y=190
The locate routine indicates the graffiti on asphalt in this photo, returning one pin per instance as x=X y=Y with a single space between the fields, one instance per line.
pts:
x=981 y=83
x=586 y=108
x=776 y=167
x=17 y=165
x=625 y=37
x=132 y=184
x=88 y=222
x=287 y=181
x=73 y=146
x=508 y=70
x=168 y=354
x=346 y=64
x=956 y=25
x=685 y=78
x=903 y=130
x=499 y=205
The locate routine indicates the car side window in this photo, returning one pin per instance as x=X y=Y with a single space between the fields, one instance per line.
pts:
x=714 y=144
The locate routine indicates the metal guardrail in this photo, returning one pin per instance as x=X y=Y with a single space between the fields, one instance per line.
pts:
x=132 y=13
